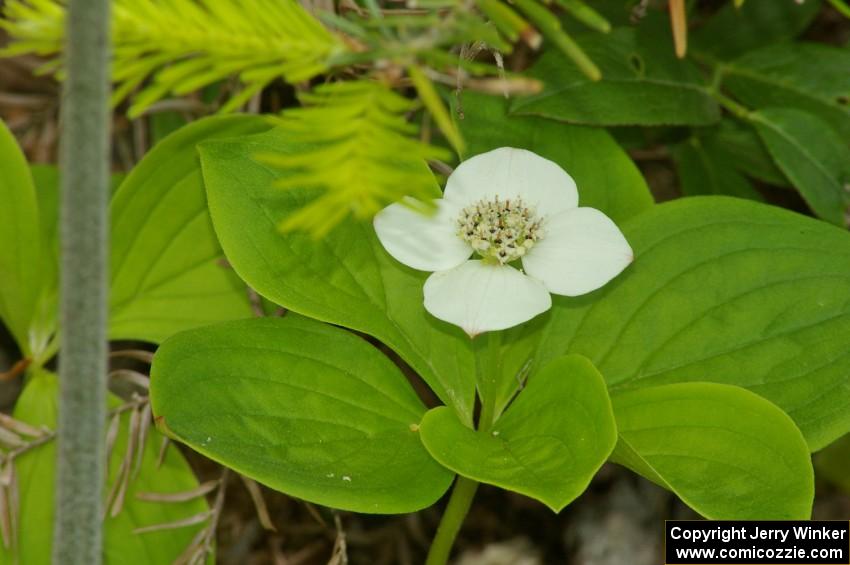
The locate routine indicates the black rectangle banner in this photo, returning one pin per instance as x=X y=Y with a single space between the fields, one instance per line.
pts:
x=758 y=543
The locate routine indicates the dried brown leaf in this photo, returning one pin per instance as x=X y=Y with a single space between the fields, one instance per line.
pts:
x=123 y=479
x=137 y=354
x=144 y=427
x=163 y=449
x=112 y=434
x=10 y=439
x=199 y=518
x=259 y=503
x=5 y=525
x=133 y=377
x=20 y=427
x=197 y=544
x=14 y=509
x=202 y=490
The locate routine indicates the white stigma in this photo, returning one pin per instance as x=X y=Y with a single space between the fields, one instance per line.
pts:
x=500 y=230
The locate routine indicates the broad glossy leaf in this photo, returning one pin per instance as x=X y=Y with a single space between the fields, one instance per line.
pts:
x=704 y=171
x=303 y=407
x=168 y=272
x=733 y=31
x=547 y=445
x=808 y=76
x=722 y=290
x=639 y=86
x=813 y=157
x=345 y=278
x=726 y=452
x=607 y=179
x=20 y=241
x=38 y=405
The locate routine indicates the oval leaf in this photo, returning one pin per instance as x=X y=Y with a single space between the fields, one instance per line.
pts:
x=726 y=452
x=808 y=76
x=20 y=241
x=639 y=86
x=547 y=445
x=813 y=157
x=168 y=272
x=345 y=278
x=305 y=408
x=721 y=290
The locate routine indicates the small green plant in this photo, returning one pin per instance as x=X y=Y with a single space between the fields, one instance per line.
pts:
x=560 y=317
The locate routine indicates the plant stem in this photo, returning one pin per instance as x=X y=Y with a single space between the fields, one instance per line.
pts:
x=733 y=107
x=81 y=457
x=459 y=503
x=488 y=369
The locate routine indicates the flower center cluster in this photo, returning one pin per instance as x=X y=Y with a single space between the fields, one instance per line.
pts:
x=503 y=230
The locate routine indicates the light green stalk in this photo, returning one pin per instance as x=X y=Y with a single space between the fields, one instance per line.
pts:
x=77 y=537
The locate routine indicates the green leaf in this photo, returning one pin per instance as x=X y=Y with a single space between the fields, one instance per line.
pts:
x=813 y=157
x=346 y=278
x=43 y=325
x=547 y=445
x=607 y=179
x=47 y=182
x=639 y=86
x=163 y=124
x=168 y=272
x=705 y=171
x=733 y=31
x=35 y=470
x=20 y=242
x=740 y=145
x=726 y=452
x=722 y=290
x=303 y=407
x=808 y=76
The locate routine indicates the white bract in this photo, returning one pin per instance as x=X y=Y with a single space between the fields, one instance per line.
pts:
x=505 y=206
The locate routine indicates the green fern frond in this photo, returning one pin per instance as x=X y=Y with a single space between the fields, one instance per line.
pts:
x=183 y=45
x=360 y=154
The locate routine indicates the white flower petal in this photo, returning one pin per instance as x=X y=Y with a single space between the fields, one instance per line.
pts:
x=581 y=250
x=511 y=173
x=427 y=243
x=481 y=297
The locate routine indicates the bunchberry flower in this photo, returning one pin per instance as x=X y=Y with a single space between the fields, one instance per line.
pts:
x=508 y=207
